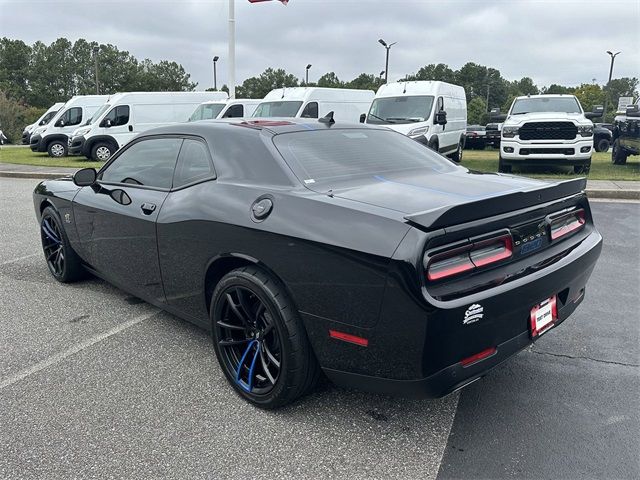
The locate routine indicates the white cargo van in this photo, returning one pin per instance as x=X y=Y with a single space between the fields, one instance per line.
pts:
x=433 y=113
x=54 y=137
x=43 y=120
x=127 y=114
x=233 y=108
x=346 y=104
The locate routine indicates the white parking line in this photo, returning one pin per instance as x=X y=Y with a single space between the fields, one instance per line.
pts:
x=58 y=357
x=19 y=258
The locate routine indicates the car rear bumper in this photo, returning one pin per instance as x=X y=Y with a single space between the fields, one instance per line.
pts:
x=418 y=351
x=517 y=153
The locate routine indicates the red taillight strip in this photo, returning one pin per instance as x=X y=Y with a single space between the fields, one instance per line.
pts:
x=346 y=337
x=462 y=258
x=478 y=356
x=577 y=223
x=506 y=253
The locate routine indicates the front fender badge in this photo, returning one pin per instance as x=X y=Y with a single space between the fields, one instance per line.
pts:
x=474 y=313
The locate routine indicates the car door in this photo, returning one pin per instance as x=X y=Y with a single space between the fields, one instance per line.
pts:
x=116 y=217
x=117 y=124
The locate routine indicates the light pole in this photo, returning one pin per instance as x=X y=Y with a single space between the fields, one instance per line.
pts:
x=488 y=88
x=215 y=77
x=606 y=94
x=96 y=49
x=386 y=65
x=306 y=75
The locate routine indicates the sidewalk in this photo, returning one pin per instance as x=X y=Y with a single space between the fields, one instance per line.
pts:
x=623 y=189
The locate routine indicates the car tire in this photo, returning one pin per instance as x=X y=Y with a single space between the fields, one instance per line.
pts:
x=102 y=151
x=583 y=169
x=63 y=262
x=618 y=154
x=259 y=339
x=602 y=145
x=502 y=166
x=457 y=156
x=57 y=149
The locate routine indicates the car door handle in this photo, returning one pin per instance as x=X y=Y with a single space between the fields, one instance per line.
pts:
x=131 y=128
x=148 y=208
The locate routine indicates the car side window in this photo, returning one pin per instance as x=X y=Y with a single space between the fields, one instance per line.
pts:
x=149 y=162
x=310 y=110
x=234 y=111
x=194 y=163
x=118 y=116
x=73 y=116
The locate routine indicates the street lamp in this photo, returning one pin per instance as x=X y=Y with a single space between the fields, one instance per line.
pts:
x=306 y=75
x=606 y=96
x=388 y=47
x=215 y=78
x=96 y=49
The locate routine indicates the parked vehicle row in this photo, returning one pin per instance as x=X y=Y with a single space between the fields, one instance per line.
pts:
x=443 y=272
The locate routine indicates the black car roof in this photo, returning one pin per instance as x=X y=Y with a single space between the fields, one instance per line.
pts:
x=273 y=125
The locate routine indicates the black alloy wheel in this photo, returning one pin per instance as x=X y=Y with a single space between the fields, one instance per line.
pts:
x=52 y=245
x=62 y=260
x=259 y=339
x=248 y=341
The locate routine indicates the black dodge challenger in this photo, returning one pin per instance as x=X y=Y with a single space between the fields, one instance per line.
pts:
x=309 y=246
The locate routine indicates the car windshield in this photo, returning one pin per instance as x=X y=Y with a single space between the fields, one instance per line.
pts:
x=206 y=111
x=546 y=104
x=98 y=113
x=47 y=118
x=277 y=109
x=317 y=156
x=405 y=109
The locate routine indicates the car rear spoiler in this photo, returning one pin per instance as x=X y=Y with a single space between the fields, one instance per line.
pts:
x=488 y=207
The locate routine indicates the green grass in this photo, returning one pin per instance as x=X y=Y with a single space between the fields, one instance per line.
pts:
x=24 y=156
x=482 y=160
x=601 y=167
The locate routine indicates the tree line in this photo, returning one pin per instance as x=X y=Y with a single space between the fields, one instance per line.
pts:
x=33 y=77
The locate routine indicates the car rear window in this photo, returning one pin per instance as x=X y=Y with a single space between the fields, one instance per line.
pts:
x=326 y=155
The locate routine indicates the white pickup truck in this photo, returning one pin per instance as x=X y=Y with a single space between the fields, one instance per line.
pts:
x=547 y=130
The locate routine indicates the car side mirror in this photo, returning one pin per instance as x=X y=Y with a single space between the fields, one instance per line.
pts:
x=440 y=118
x=106 y=123
x=596 y=111
x=60 y=123
x=633 y=110
x=85 y=177
x=363 y=117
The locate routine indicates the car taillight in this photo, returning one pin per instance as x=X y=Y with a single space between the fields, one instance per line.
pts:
x=566 y=224
x=469 y=257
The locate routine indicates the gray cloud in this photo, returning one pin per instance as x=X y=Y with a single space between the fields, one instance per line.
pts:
x=551 y=41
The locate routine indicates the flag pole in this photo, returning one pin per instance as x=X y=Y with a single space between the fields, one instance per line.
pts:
x=232 y=50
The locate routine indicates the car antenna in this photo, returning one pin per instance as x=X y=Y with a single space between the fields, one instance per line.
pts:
x=328 y=118
x=283 y=87
x=405 y=87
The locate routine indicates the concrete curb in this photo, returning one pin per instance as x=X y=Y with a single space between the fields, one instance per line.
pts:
x=618 y=194
x=35 y=175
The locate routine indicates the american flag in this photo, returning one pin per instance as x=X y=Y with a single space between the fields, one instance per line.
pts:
x=284 y=2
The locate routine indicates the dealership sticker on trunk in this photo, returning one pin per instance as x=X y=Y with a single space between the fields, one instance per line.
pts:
x=543 y=316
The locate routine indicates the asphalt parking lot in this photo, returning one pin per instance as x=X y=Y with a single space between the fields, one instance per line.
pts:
x=97 y=384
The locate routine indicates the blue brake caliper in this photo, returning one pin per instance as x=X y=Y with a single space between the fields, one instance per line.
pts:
x=48 y=231
x=248 y=386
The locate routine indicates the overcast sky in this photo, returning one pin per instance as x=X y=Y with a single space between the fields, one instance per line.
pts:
x=551 y=41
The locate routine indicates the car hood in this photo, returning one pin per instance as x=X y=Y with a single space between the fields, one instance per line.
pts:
x=410 y=193
x=517 y=120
